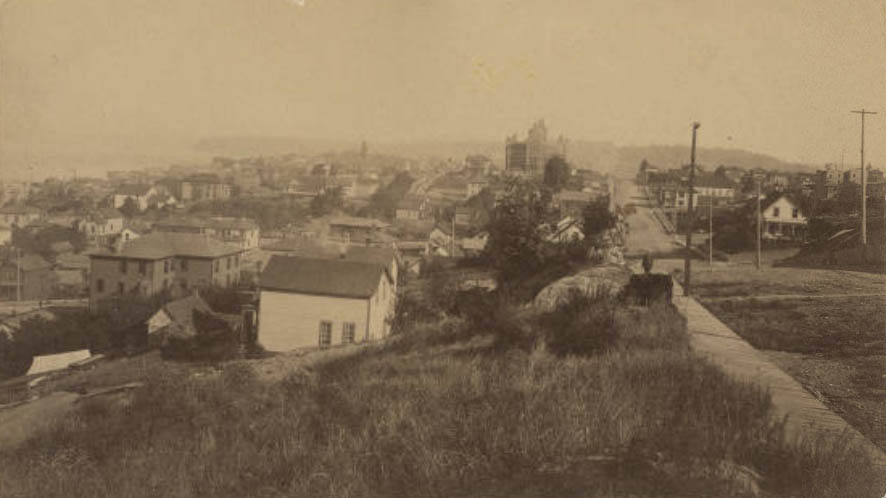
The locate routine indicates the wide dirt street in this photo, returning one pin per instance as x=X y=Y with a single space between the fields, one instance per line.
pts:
x=824 y=327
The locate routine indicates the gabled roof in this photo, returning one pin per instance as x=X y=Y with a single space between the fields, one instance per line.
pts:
x=323 y=277
x=307 y=248
x=28 y=262
x=181 y=313
x=19 y=209
x=133 y=189
x=52 y=362
x=72 y=261
x=775 y=198
x=351 y=221
x=61 y=247
x=159 y=245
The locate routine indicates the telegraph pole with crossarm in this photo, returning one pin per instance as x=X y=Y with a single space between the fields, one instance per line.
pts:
x=864 y=189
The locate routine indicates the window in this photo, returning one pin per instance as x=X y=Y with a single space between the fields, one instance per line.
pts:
x=229 y=262
x=100 y=285
x=184 y=265
x=123 y=266
x=795 y=213
x=325 y=334
x=775 y=212
x=120 y=288
x=184 y=284
x=215 y=269
x=142 y=267
x=166 y=266
x=347 y=332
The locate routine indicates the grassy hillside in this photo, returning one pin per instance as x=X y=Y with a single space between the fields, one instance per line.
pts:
x=472 y=405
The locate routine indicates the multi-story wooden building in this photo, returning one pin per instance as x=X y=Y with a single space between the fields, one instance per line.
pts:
x=162 y=261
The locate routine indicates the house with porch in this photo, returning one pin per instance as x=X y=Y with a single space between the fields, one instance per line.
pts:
x=783 y=220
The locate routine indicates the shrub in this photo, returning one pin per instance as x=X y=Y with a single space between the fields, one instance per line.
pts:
x=582 y=325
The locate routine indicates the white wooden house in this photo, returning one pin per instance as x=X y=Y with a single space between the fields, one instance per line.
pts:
x=314 y=302
x=783 y=219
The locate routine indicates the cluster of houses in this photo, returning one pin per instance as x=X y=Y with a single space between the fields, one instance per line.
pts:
x=781 y=214
x=330 y=282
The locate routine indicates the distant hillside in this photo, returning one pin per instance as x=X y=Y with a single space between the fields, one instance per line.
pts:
x=604 y=157
x=623 y=160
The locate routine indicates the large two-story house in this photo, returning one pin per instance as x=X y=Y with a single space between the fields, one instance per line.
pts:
x=162 y=261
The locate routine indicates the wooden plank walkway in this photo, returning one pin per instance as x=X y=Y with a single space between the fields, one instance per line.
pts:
x=807 y=417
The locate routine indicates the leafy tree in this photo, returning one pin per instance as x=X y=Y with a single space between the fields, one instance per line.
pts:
x=515 y=247
x=129 y=208
x=848 y=198
x=384 y=201
x=595 y=219
x=268 y=213
x=327 y=202
x=556 y=173
x=40 y=242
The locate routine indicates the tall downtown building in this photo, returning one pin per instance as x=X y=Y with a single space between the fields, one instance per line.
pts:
x=530 y=156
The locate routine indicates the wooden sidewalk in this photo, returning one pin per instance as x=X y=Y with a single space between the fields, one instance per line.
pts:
x=807 y=417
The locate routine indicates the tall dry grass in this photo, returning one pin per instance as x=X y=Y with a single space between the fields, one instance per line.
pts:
x=433 y=415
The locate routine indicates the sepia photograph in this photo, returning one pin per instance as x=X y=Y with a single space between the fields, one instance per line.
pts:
x=442 y=248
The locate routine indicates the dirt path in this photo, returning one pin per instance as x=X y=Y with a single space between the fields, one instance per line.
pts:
x=645 y=233
x=806 y=415
x=805 y=412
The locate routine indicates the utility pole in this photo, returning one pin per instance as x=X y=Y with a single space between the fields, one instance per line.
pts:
x=690 y=216
x=711 y=229
x=759 y=223
x=864 y=187
x=18 y=274
x=452 y=240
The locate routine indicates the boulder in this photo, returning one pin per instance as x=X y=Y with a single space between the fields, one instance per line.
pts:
x=604 y=278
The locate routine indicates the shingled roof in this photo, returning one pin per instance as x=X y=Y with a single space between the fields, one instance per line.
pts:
x=216 y=223
x=159 y=245
x=28 y=262
x=323 y=277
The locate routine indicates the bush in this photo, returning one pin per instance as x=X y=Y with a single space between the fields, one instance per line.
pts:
x=583 y=325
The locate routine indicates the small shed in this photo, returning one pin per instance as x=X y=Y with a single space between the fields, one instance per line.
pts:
x=59 y=361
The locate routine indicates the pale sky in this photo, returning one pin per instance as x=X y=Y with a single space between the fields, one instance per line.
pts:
x=777 y=76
